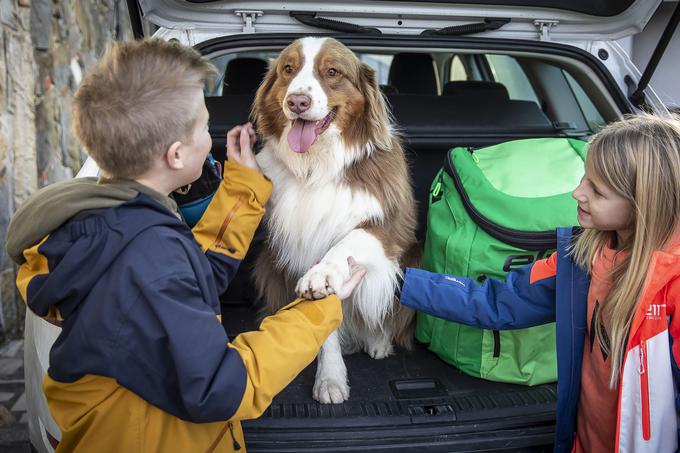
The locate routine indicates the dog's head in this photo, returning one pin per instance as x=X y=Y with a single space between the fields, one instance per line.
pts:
x=318 y=88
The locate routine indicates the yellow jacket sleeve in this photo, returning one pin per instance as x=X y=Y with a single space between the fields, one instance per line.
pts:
x=284 y=345
x=230 y=221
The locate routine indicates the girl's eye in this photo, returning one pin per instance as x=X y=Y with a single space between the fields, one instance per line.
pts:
x=288 y=69
x=597 y=192
x=332 y=72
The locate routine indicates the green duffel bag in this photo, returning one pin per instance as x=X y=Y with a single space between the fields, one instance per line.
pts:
x=491 y=210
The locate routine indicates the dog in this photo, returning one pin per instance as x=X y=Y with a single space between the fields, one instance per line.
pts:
x=342 y=188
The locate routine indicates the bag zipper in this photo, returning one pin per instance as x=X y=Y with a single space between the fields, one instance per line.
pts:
x=496 y=344
x=644 y=391
x=539 y=240
x=437 y=192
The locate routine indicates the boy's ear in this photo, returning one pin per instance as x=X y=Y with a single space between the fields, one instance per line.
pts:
x=174 y=156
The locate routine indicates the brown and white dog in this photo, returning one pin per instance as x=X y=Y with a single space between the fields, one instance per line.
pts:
x=341 y=188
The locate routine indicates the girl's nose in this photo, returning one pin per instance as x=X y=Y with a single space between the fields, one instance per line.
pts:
x=578 y=193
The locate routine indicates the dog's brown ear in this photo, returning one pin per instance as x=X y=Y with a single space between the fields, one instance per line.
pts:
x=262 y=91
x=377 y=116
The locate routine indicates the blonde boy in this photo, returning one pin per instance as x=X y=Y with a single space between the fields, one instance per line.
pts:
x=142 y=363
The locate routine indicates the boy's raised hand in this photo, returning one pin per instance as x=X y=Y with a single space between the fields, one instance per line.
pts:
x=240 y=141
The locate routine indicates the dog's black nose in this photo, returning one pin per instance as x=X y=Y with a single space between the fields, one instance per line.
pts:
x=298 y=103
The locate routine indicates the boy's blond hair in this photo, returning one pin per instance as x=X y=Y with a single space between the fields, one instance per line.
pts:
x=137 y=101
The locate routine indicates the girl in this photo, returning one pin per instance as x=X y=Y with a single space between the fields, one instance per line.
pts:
x=612 y=289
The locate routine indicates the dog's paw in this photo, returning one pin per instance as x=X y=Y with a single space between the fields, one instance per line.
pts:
x=379 y=349
x=320 y=281
x=330 y=391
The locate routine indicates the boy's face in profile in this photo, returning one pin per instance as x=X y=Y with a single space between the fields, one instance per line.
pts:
x=200 y=143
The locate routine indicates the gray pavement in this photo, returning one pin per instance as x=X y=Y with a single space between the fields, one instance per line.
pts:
x=13 y=418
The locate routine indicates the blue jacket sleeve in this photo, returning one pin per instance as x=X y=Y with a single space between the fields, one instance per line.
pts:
x=514 y=304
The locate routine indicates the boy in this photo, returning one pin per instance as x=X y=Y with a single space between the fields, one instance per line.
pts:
x=142 y=363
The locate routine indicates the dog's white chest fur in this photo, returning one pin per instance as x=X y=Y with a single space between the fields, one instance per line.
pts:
x=307 y=217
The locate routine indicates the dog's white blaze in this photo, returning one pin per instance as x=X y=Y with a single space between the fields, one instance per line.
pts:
x=305 y=82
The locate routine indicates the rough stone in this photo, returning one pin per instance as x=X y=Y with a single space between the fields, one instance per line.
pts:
x=8 y=15
x=41 y=24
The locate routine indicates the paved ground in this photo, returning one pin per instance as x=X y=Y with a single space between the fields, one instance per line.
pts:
x=13 y=419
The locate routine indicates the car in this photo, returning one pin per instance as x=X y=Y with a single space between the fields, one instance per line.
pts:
x=472 y=74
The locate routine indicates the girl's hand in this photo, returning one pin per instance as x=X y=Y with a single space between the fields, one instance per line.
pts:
x=356 y=274
x=240 y=141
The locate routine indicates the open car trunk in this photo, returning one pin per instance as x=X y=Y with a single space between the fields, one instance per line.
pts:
x=412 y=399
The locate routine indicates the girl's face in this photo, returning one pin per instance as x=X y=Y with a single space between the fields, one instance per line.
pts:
x=600 y=208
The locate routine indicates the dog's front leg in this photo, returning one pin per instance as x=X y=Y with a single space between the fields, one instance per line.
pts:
x=330 y=385
x=327 y=276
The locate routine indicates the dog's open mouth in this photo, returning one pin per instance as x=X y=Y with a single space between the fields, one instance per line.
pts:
x=303 y=133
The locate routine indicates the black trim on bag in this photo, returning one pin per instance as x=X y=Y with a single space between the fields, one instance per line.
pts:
x=496 y=343
x=527 y=240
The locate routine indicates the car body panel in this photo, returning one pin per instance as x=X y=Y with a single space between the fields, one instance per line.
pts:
x=403 y=17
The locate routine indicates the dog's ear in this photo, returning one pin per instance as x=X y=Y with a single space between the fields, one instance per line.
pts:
x=377 y=117
x=259 y=105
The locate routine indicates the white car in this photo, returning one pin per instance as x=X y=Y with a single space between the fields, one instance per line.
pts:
x=565 y=74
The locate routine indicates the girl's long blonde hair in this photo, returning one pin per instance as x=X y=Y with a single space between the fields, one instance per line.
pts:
x=639 y=158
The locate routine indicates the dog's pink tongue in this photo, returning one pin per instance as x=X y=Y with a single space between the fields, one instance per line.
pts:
x=301 y=135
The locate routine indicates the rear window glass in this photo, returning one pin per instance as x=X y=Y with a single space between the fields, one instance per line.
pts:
x=507 y=71
x=590 y=112
x=441 y=73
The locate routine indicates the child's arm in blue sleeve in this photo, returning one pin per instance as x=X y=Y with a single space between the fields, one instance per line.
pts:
x=525 y=299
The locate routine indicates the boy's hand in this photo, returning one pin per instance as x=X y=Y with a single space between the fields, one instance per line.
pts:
x=240 y=141
x=356 y=274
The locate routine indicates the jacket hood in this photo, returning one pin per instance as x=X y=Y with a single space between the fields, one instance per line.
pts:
x=63 y=250
x=49 y=208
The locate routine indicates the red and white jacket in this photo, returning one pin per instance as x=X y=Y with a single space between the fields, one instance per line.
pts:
x=647 y=415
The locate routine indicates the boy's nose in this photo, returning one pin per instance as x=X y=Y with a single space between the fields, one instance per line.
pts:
x=298 y=103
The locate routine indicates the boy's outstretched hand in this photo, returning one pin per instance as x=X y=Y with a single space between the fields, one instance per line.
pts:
x=240 y=142
x=356 y=274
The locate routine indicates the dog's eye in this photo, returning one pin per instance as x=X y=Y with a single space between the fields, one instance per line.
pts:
x=288 y=69
x=332 y=72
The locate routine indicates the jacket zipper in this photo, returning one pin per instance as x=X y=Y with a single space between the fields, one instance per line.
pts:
x=539 y=240
x=226 y=222
x=644 y=391
x=237 y=446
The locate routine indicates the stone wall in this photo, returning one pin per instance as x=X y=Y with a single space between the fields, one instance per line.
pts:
x=45 y=47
